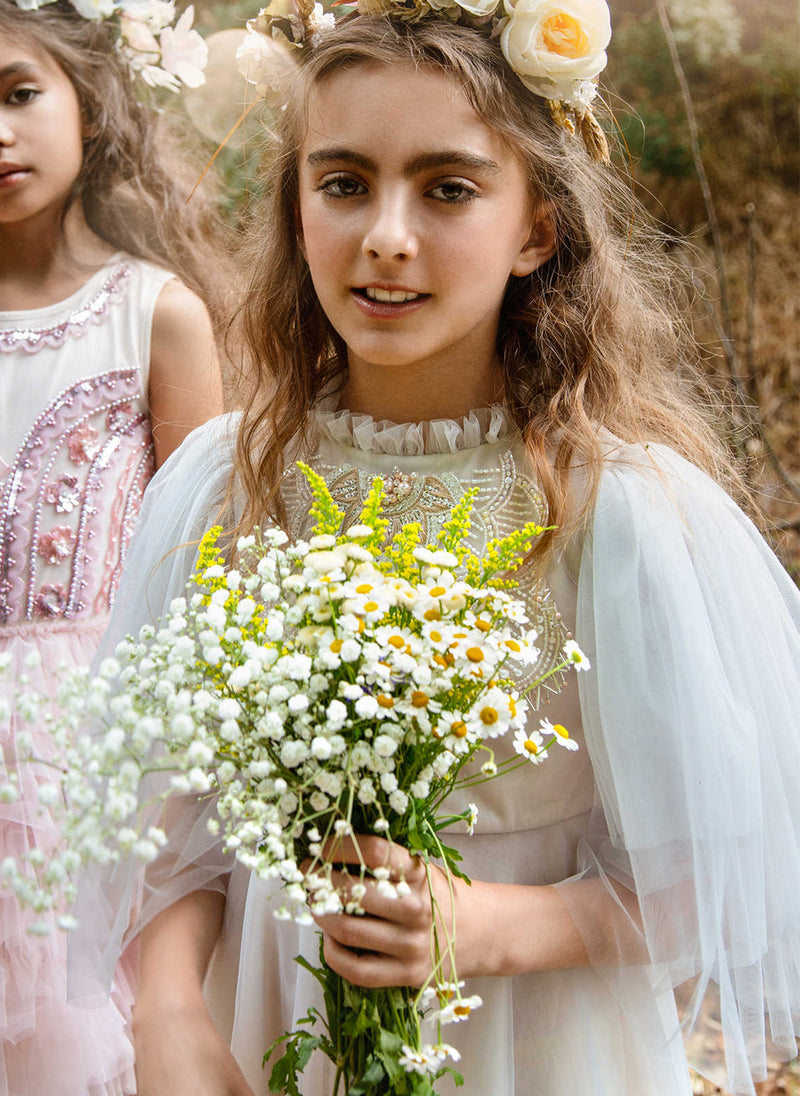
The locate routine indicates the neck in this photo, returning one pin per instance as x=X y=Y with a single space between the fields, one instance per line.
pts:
x=420 y=392
x=43 y=261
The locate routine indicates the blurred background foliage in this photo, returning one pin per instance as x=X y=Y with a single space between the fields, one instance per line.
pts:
x=742 y=70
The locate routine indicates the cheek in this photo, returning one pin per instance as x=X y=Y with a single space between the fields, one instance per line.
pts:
x=315 y=229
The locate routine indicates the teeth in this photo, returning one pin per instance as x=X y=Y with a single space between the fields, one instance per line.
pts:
x=395 y=296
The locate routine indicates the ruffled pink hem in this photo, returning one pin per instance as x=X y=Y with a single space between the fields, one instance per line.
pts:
x=50 y=1046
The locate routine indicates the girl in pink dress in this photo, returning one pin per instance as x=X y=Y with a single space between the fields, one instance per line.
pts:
x=100 y=340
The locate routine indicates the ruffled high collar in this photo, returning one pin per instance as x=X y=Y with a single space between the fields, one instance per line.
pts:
x=483 y=426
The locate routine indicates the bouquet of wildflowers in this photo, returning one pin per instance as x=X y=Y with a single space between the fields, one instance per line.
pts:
x=339 y=686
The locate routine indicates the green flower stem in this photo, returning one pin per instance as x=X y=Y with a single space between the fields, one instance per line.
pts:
x=550 y=673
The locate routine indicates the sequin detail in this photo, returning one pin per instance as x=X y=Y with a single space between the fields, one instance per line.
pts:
x=95 y=310
x=71 y=498
x=506 y=500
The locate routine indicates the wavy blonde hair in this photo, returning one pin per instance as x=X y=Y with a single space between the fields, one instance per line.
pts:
x=592 y=341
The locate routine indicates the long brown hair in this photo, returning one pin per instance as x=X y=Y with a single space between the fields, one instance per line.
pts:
x=134 y=180
x=591 y=344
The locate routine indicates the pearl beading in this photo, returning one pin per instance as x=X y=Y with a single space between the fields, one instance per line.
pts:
x=111 y=477
x=31 y=339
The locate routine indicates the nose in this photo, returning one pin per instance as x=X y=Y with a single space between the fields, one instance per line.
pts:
x=391 y=232
x=7 y=136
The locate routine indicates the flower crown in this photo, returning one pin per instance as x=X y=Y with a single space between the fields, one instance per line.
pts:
x=162 y=54
x=555 y=47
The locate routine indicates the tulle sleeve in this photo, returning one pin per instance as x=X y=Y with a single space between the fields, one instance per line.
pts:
x=692 y=718
x=182 y=501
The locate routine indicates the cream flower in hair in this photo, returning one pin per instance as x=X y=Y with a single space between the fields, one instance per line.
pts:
x=479 y=8
x=94 y=9
x=267 y=63
x=184 y=54
x=554 y=46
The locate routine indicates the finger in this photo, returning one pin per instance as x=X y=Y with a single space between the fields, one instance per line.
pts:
x=371 y=851
x=373 y=970
x=372 y=934
x=397 y=902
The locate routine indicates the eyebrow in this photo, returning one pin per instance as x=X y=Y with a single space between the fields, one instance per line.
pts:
x=426 y=161
x=18 y=68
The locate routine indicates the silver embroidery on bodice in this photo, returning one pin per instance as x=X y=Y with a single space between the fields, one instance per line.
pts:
x=506 y=500
x=70 y=499
x=95 y=310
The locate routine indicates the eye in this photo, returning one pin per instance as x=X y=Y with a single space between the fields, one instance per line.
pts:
x=342 y=186
x=453 y=192
x=21 y=96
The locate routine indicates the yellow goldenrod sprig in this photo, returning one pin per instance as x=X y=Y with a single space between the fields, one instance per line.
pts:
x=372 y=516
x=327 y=515
x=400 y=553
x=453 y=534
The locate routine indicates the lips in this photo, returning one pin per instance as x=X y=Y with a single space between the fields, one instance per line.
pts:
x=388 y=302
x=12 y=173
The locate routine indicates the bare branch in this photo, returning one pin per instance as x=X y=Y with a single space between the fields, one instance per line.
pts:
x=725 y=329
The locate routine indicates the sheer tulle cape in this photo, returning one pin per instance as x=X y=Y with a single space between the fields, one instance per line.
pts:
x=692 y=721
x=690 y=715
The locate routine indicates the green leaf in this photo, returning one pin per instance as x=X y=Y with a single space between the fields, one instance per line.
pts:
x=300 y=1045
x=391 y=1044
x=372 y=1076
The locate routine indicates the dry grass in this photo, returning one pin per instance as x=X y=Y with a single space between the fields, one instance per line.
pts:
x=783 y=1080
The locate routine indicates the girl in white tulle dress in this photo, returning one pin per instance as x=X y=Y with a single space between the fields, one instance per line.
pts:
x=451 y=289
x=97 y=336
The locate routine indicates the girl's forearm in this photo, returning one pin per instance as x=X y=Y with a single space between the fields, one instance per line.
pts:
x=506 y=929
x=503 y=929
x=175 y=950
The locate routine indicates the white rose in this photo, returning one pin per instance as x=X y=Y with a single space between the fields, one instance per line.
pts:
x=552 y=46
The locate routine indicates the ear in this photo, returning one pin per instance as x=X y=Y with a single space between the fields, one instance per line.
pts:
x=540 y=245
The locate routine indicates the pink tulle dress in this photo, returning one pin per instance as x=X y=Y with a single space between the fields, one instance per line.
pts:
x=76 y=454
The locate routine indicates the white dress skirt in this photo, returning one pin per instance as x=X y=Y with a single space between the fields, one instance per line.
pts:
x=672 y=835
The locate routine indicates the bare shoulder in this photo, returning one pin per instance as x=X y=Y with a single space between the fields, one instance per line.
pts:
x=179 y=313
x=185 y=385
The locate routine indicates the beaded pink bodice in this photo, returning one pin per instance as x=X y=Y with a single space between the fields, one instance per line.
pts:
x=72 y=484
x=70 y=499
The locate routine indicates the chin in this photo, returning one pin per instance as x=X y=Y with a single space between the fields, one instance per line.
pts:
x=386 y=357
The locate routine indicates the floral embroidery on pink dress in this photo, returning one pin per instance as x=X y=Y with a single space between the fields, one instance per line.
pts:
x=94 y=429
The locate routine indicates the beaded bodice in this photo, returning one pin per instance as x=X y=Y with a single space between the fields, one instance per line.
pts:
x=425 y=484
x=76 y=444
x=70 y=499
